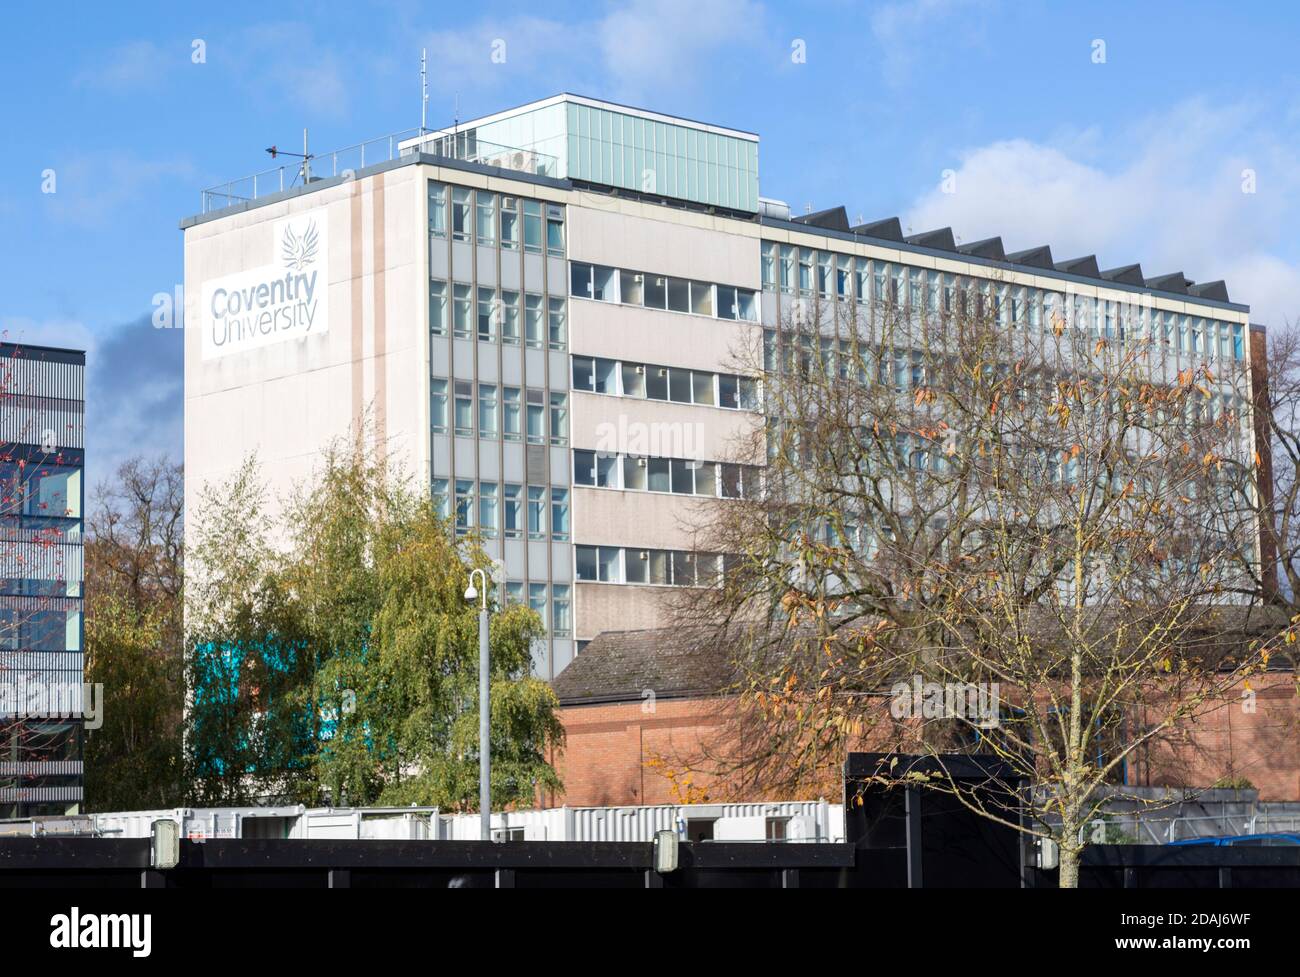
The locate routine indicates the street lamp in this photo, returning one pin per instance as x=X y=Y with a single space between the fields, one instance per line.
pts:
x=484 y=678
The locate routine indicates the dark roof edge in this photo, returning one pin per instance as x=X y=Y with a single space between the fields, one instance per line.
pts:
x=633 y=697
x=410 y=159
x=778 y=222
x=60 y=354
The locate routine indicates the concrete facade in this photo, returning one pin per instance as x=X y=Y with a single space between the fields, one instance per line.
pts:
x=457 y=323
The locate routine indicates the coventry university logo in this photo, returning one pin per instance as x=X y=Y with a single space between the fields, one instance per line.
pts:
x=297 y=251
x=287 y=299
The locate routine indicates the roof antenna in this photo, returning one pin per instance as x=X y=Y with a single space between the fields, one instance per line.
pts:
x=305 y=156
x=424 y=92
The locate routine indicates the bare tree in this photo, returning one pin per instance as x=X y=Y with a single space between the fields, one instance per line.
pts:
x=981 y=527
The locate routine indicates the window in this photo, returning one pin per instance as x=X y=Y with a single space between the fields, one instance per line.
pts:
x=701 y=298
x=656 y=382
x=510 y=317
x=706 y=478
x=487 y=410
x=560 y=618
x=603 y=282
x=536 y=512
x=464 y=408
x=460 y=213
x=537 y=600
x=560 y=513
x=726 y=302
x=441 y=502
x=580 y=279
x=597 y=563
x=461 y=311
x=679 y=386
x=438 y=405
x=787 y=268
x=559 y=418
x=682 y=477
x=555 y=230
x=486 y=209
x=636 y=566
x=656 y=291
x=464 y=504
x=532 y=226
x=533 y=321
x=778 y=829
x=679 y=295
x=584 y=373
x=556 y=324
x=510 y=223
x=512 y=511
x=487 y=312
x=487 y=508
x=633 y=380
x=658 y=475
x=536 y=417
x=746 y=305
x=510 y=414
x=592 y=468
x=605 y=376
x=514 y=592
x=769 y=264
x=631 y=287
x=634 y=472
x=438 y=209
x=728 y=390
x=438 y=308
x=702 y=388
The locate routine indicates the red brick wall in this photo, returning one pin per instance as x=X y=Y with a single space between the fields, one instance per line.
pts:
x=608 y=759
x=608 y=749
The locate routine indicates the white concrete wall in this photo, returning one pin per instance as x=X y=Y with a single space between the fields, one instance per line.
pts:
x=285 y=401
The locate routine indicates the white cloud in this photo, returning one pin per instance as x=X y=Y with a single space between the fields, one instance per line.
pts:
x=128 y=68
x=1167 y=194
x=902 y=30
x=634 y=50
x=90 y=190
x=284 y=62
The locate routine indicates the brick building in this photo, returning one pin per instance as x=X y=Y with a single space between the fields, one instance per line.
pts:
x=638 y=706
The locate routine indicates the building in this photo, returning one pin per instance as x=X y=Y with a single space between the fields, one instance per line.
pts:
x=541 y=311
x=642 y=708
x=42 y=455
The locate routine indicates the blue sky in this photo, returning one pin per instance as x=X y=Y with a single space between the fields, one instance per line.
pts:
x=1137 y=156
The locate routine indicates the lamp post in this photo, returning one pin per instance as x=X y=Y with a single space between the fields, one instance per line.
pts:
x=484 y=678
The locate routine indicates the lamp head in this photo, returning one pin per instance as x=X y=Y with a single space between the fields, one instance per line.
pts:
x=471 y=593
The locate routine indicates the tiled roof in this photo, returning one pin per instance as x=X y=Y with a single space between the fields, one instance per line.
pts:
x=621 y=665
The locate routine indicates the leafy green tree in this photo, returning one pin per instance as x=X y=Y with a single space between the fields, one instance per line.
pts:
x=357 y=626
x=134 y=570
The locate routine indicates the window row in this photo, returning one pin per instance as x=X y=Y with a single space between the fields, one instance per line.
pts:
x=651 y=382
x=882 y=283
x=512 y=413
x=505 y=509
x=674 y=475
x=489 y=312
x=487 y=218
x=674 y=568
x=605 y=284
x=561 y=603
